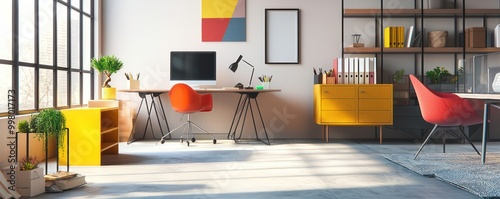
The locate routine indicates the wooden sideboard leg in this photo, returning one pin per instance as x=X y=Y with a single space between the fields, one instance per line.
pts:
x=380 y=134
x=327 y=134
x=323 y=132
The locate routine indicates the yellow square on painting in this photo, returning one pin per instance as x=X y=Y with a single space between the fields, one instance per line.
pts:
x=218 y=8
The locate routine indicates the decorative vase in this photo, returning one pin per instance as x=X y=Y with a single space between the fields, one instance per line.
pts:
x=109 y=93
x=30 y=183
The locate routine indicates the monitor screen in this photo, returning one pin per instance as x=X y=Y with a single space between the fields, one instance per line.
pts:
x=194 y=68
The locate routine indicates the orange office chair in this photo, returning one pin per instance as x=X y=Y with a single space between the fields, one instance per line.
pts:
x=444 y=110
x=187 y=101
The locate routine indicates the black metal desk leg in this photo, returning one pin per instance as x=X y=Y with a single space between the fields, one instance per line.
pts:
x=262 y=120
x=148 y=121
x=230 y=134
x=246 y=105
x=164 y=115
x=131 y=136
x=153 y=104
x=485 y=133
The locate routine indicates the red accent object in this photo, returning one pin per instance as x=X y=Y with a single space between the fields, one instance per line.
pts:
x=186 y=100
x=213 y=29
x=445 y=110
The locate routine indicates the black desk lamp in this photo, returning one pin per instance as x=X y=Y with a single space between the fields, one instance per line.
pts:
x=234 y=66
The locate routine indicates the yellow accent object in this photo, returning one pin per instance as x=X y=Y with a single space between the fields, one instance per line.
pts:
x=353 y=105
x=109 y=93
x=218 y=8
x=387 y=37
x=92 y=132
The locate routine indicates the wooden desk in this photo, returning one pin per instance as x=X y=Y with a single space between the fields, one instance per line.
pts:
x=489 y=100
x=244 y=103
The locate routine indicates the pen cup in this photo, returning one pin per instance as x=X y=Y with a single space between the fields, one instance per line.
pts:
x=330 y=80
x=317 y=79
x=266 y=85
x=134 y=84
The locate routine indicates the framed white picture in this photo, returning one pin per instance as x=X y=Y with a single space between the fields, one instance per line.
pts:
x=282 y=40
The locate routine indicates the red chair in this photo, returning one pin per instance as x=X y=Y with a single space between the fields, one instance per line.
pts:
x=187 y=101
x=445 y=110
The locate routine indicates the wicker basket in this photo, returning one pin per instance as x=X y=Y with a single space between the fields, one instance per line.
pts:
x=437 y=39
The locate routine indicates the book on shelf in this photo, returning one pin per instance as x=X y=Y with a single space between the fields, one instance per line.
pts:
x=410 y=34
x=367 y=70
x=361 y=70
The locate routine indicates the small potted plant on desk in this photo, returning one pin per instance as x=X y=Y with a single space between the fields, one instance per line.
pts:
x=30 y=179
x=440 y=79
x=107 y=65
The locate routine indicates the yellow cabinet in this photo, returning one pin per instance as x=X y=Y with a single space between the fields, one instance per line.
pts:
x=353 y=105
x=93 y=132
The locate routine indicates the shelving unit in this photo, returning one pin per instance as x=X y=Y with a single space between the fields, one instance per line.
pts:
x=417 y=14
x=94 y=132
x=374 y=16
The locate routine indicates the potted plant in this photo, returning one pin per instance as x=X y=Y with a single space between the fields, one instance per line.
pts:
x=398 y=76
x=107 y=65
x=30 y=179
x=440 y=79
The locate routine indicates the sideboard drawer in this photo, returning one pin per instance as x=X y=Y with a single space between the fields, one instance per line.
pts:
x=338 y=104
x=338 y=116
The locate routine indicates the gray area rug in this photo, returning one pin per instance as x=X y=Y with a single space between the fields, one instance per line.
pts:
x=463 y=170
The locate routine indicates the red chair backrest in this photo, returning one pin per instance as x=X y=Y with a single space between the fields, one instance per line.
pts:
x=444 y=109
x=186 y=100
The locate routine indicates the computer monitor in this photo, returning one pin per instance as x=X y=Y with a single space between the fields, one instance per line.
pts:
x=194 y=68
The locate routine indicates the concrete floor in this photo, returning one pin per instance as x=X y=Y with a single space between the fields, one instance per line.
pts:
x=286 y=169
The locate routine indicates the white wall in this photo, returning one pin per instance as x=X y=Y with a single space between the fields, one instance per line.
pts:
x=142 y=34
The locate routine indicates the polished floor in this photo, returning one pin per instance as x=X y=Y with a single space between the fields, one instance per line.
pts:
x=285 y=169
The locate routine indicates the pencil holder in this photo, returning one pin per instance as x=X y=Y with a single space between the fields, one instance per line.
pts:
x=317 y=79
x=134 y=84
x=266 y=85
x=330 y=80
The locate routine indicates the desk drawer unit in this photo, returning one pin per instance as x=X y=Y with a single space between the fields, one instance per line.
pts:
x=353 y=105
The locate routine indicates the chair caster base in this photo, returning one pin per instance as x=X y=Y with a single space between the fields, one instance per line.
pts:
x=187 y=142
x=215 y=141
x=193 y=139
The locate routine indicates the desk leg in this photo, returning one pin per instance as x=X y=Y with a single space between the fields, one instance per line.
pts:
x=262 y=121
x=131 y=136
x=231 y=133
x=153 y=104
x=380 y=134
x=164 y=116
x=485 y=133
x=244 y=104
x=148 y=121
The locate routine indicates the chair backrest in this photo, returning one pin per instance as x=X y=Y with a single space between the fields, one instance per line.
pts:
x=444 y=109
x=186 y=100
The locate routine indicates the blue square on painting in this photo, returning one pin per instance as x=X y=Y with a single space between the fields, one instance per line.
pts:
x=236 y=30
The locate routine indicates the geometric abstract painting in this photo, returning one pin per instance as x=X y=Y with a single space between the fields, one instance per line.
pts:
x=223 y=20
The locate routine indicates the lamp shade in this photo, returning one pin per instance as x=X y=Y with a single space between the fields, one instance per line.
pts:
x=234 y=66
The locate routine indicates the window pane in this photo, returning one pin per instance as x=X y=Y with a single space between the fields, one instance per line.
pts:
x=45 y=87
x=46 y=26
x=62 y=35
x=75 y=3
x=6 y=30
x=75 y=88
x=86 y=87
x=75 y=39
x=27 y=31
x=26 y=88
x=5 y=86
x=86 y=43
x=62 y=88
x=86 y=6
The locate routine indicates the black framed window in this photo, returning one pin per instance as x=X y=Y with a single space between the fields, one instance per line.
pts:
x=45 y=52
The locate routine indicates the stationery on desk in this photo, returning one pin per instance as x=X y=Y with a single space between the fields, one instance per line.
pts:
x=266 y=82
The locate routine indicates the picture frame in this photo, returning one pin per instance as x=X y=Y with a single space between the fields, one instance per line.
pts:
x=282 y=36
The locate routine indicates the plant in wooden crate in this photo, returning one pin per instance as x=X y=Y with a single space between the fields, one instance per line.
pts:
x=441 y=79
x=30 y=179
x=107 y=65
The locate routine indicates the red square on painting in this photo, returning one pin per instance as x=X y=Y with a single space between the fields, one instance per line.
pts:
x=213 y=29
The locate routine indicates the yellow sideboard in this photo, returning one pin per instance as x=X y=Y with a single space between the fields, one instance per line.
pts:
x=353 y=105
x=93 y=132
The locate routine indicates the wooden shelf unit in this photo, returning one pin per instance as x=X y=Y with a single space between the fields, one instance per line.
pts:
x=94 y=132
x=419 y=12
